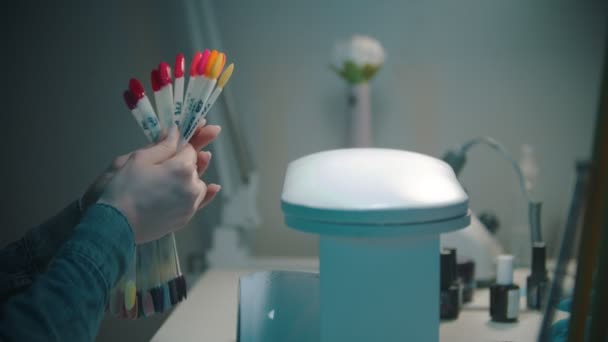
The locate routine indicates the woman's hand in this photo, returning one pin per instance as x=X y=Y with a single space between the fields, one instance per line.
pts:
x=202 y=137
x=158 y=189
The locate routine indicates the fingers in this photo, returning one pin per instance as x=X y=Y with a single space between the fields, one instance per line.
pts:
x=212 y=191
x=119 y=162
x=160 y=152
x=204 y=135
x=202 y=190
x=185 y=157
x=202 y=162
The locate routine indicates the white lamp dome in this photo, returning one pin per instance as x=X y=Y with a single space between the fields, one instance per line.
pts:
x=407 y=187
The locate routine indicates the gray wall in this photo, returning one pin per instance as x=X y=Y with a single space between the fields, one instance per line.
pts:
x=519 y=71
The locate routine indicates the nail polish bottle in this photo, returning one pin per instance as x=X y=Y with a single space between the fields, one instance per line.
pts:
x=466 y=273
x=537 y=281
x=457 y=279
x=504 y=295
x=450 y=289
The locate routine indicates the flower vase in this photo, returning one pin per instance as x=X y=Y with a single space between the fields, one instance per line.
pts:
x=359 y=108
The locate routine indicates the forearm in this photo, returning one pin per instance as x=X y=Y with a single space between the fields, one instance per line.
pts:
x=21 y=261
x=67 y=302
x=45 y=240
x=38 y=246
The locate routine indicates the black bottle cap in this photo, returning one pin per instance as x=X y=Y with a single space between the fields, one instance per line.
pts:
x=454 y=264
x=539 y=255
x=448 y=267
x=466 y=270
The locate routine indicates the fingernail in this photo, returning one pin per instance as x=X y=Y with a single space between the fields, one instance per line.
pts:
x=219 y=128
x=209 y=154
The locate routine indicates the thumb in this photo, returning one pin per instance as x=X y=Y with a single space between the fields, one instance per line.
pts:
x=163 y=150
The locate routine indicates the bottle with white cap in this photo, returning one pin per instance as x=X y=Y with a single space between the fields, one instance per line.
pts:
x=504 y=295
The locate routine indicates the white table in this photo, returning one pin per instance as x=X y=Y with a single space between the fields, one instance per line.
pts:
x=210 y=312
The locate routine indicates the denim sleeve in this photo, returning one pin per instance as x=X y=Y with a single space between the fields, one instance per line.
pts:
x=21 y=261
x=67 y=301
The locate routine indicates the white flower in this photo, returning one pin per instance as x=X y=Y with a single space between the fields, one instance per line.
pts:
x=358 y=59
x=361 y=50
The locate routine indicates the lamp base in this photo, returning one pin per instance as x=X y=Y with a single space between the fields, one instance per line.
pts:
x=379 y=289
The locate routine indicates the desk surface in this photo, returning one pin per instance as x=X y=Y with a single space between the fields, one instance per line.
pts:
x=210 y=312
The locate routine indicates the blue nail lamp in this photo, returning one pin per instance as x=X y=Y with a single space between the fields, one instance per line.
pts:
x=379 y=213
